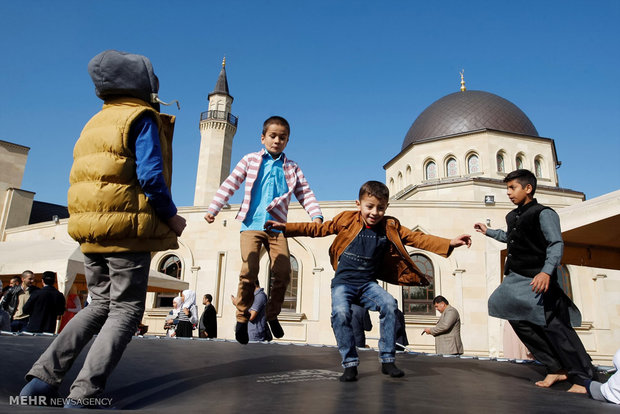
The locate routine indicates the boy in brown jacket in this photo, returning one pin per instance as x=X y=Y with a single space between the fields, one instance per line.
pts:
x=369 y=246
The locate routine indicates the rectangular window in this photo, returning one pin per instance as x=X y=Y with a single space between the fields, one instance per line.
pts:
x=219 y=286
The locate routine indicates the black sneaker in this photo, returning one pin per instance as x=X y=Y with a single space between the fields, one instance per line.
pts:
x=276 y=328
x=241 y=333
x=349 y=375
x=388 y=368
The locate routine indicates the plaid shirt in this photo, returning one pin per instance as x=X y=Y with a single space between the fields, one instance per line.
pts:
x=247 y=169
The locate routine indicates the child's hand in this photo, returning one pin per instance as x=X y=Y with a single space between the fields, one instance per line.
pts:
x=275 y=225
x=462 y=240
x=540 y=283
x=481 y=228
x=209 y=217
x=234 y=300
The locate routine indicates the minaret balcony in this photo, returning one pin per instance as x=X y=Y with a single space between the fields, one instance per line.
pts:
x=220 y=116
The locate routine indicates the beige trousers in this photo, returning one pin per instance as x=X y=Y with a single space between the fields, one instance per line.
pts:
x=277 y=247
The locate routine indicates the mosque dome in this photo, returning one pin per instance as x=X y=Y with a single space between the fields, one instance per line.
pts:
x=468 y=111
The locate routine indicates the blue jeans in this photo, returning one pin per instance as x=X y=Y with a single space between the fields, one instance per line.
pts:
x=372 y=297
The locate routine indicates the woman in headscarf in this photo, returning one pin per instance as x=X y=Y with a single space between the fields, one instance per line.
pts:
x=188 y=315
x=173 y=317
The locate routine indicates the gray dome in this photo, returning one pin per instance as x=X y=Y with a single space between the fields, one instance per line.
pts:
x=468 y=111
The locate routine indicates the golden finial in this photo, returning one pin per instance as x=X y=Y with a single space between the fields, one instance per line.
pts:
x=224 y=62
x=463 y=88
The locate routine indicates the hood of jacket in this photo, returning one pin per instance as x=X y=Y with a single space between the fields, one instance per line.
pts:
x=117 y=74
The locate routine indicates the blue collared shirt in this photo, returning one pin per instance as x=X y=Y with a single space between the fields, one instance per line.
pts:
x=270 y=183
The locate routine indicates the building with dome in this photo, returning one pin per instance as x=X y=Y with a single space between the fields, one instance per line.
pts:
x=448 y=175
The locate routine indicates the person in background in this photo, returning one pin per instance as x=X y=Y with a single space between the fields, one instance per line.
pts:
x=19 y=296
x=257 y=326
x=207 y=327
x=173 y=317
x=5 y=318
x=360 y=322
x=15 y=281
x=400 y=331
x=447 y=331
x=188 y=315
x=45 y=306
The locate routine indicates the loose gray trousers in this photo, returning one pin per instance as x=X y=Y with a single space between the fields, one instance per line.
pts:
x=117 y=284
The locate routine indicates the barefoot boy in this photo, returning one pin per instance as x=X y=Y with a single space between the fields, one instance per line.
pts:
x=270 y=181
x=369 y=246
x=529 y=296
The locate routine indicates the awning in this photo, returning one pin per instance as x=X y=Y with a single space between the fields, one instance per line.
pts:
x=65 y=258
x=590 y=231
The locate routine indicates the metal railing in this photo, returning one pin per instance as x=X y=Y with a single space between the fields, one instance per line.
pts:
x=219 y=115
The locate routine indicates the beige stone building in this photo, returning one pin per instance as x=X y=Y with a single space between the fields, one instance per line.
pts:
x=447 y=176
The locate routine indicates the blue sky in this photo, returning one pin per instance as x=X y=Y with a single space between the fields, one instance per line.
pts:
x=351 y=77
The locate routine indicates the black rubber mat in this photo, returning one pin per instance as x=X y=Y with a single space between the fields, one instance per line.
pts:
x=186 y=376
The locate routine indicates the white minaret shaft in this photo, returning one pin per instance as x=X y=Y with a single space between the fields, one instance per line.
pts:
x=217 y=129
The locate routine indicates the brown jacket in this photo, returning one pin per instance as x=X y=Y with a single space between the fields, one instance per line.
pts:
x=398 y=268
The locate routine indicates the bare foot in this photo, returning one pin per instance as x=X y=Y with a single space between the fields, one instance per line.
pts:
x=551 y=379
x=578 y=389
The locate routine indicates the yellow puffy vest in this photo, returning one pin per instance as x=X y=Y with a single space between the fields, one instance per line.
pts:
x=108 y=211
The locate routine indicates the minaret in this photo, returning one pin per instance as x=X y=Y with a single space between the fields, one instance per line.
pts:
x=217 y=129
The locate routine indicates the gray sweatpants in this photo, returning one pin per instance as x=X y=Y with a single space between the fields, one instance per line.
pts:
x=117 y=285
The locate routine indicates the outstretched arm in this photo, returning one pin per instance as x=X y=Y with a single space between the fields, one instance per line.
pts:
x=227 y=189
x=499 y=235
x=462 y=240
x=481 y=228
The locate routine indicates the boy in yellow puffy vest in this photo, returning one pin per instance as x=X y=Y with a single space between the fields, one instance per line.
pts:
x=121 y=210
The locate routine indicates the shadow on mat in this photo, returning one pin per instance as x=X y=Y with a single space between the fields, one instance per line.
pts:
x=153 y=390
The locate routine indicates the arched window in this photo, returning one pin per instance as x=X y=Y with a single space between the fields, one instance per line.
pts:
x=473 y=164
x=171 y=265
x=392 y=186
x=519 y=162
x=408 y=179
x=538 y=168
x=451 y=170
x=290 y=296
x=400 y=181
x=418 y=300
x=500 y=162
x=431 y=170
